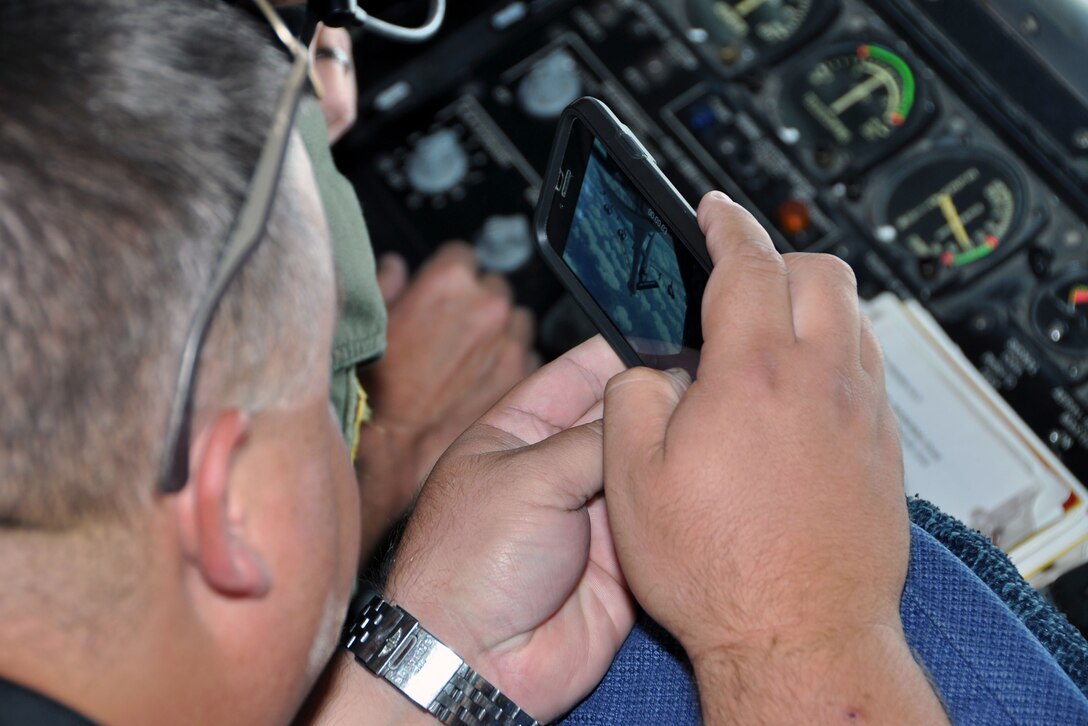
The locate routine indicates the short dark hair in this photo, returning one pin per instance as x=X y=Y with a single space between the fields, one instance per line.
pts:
x=128 y=133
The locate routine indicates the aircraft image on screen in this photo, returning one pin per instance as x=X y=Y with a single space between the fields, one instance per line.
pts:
x=645 y=274
x=626 y=261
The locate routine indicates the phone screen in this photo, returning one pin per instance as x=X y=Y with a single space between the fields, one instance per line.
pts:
x=619 y=247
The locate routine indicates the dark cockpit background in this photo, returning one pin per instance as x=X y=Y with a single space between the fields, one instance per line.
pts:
x=938 y=146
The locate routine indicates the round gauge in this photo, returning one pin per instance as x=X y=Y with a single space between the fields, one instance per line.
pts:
x=1060 y=314
x=851 y=98
x=740 y=32
x=952 y=209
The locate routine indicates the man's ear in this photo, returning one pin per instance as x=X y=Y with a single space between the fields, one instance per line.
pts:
x=211 y=538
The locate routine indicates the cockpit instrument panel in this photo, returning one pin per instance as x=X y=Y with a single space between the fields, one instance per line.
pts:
x=940 y=148
x=735 y=37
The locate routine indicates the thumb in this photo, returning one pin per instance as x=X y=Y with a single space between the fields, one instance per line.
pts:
x=638 y=405
x=392 y=277
x=571 y=464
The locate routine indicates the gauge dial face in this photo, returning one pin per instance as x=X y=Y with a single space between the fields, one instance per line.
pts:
x=952 y=209
x=729 y=23
x=853 y=98
x=1060 y=314
x=741 y=33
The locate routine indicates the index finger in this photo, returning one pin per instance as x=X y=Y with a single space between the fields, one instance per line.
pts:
x=555 y=397
x=747 y=300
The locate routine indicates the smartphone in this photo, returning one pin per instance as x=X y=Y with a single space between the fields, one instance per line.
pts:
x=622 y=240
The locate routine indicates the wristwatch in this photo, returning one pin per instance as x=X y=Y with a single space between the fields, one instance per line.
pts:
x=393 y=645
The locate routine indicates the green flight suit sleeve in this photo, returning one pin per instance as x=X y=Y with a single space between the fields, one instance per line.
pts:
x=360 y=332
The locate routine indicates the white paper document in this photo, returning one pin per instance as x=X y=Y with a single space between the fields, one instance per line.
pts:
x=966 y=450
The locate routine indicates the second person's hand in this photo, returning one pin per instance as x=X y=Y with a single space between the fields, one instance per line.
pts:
x=456 y=344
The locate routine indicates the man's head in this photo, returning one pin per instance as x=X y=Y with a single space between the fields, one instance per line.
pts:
x=128 y=134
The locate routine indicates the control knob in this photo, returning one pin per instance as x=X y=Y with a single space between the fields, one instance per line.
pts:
x=552 y=84
x=505 y=242
x=438 y=163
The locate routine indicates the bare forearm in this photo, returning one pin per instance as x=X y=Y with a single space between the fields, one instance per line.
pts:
x=865 y=676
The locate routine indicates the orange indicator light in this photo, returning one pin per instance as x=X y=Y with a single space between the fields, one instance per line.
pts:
x=794 y=217
x=1078 y=296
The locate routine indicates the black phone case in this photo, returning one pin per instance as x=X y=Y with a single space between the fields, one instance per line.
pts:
x=641 y=169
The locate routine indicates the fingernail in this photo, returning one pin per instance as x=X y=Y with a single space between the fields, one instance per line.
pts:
x=681 y=377
x=720 y=195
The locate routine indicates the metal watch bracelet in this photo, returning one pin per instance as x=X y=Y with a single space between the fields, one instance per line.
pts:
x=392 y=644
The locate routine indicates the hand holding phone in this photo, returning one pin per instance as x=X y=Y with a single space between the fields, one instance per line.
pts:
x=759 y=515
x=623 y=241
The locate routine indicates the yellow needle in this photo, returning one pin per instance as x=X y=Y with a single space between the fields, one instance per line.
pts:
x=746 y=7
x=954 y=222
x=855 y=94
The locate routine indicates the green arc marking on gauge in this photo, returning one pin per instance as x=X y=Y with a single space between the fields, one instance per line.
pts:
x=966 y=258
x=886 y=56
x=974 y=255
